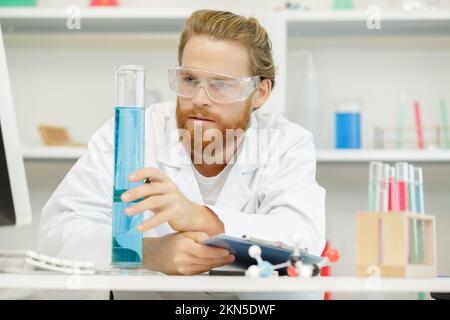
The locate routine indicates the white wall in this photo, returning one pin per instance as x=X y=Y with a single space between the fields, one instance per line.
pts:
x=69 y=80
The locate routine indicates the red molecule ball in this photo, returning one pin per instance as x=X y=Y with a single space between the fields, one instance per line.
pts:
x=333 y=255
x=292 y=272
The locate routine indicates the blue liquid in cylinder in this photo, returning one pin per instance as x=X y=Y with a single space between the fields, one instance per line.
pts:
x=348 y=130
x=128 y=157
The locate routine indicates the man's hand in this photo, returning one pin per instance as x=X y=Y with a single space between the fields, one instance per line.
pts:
x=163 y=197
x=183 y=253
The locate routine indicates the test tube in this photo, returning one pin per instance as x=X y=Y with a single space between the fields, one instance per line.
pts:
x=128 y=157
x=384 y=186
x=375 y=171
x=419 y=129
x=411 y=189
x=401 y=173
x=412 y=207
x=418 y=183
x=392 y=200
x=401 y=120
x=445 y=127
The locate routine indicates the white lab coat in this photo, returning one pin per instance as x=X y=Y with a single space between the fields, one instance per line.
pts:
x=271 y=197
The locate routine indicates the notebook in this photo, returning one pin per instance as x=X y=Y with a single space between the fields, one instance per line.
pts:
x=270 y=251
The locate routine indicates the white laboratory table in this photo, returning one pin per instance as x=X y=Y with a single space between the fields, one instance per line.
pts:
x=205 y=283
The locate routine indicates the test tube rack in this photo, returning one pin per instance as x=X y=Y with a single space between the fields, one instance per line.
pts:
x=383 y=245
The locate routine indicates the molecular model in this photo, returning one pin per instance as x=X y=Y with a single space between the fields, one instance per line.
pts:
x=295 y=265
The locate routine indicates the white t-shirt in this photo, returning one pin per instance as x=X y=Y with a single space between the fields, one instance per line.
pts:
x=210 y=187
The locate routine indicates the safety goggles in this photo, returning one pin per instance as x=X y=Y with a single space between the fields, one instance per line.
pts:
x=219 y=87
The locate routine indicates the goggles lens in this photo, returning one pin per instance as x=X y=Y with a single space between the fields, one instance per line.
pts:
x=219 y=87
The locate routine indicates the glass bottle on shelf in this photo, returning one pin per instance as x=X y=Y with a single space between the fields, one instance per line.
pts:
x=348 y=126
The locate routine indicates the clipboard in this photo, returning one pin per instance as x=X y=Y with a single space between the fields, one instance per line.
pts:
x=270 y=251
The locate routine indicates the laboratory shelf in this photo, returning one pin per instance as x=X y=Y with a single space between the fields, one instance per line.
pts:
x=354 y=23
x=313 y=23
x=52 y=153
x=334 y=155
x=93 y=20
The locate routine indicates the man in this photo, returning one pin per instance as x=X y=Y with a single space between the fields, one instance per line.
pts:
x=217 y=161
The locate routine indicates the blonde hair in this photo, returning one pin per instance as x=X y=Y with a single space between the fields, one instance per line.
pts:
x=223 y=25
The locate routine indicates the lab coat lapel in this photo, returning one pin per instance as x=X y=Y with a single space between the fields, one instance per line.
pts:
x=177 y=166
x=186 y=182
x=236 y=191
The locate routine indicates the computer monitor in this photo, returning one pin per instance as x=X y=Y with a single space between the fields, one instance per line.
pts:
x=15 y=209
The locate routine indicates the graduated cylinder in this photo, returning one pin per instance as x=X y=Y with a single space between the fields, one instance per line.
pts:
x=128 y=157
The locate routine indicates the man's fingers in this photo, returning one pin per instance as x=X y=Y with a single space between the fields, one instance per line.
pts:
x=204 y=265
x=193 y=270
x=204 y=251
x=144 y=190
x=150 y=173
x=157 y=219
x=201 y=250
x=151 y=203
x=197 y=236
x=213 y=262
x=222 y=262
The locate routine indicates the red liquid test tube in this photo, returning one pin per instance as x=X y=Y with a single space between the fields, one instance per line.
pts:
x=391 y=190
x=401 y=173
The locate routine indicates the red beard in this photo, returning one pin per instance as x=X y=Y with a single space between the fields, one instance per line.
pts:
x=219 y=124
